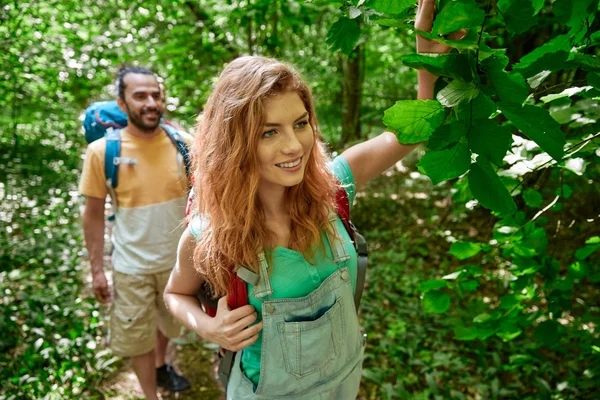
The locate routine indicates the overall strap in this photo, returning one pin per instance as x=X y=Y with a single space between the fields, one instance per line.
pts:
x=182 y=148
x=112 y=160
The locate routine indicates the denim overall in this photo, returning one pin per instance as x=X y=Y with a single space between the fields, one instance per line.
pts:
x=312 y=347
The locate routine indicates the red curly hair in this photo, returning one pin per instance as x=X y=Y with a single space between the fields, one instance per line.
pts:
x=226 y=171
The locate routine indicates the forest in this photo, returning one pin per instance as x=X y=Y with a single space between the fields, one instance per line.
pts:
x=484 y=261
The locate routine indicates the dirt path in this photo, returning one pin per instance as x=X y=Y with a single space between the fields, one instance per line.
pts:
x=192 y=358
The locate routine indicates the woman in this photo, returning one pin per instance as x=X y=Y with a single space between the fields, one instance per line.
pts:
x=267 y=197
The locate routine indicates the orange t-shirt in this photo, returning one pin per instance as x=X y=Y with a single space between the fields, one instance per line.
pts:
x=151 y=197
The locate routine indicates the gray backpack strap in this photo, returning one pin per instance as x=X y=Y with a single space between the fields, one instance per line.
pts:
x=362 y=263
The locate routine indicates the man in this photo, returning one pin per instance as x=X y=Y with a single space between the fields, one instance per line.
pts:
x=151 y=197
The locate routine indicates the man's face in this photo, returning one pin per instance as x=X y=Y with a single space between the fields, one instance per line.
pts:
x=143 y=102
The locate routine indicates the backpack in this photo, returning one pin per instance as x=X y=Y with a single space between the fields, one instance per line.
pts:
x=105 y=119
x=238 y=289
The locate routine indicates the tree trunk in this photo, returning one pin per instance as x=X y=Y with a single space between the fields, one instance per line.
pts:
x=354 y=76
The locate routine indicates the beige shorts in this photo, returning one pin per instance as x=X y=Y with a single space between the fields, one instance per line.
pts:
x=137 y=311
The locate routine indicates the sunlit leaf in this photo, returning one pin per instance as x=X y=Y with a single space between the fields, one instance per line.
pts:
x=488 y=189
x=436 y=302
x=457 y=92
x=458 y=14
x=463 y=250
x=343 y=35
x=414 y=120
x=441 y=165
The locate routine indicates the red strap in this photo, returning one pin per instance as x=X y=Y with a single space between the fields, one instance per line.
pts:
x=343 y=209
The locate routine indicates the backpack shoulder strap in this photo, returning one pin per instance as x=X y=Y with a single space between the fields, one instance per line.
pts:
x=181 y=147
x=343 y=211
x=112 y=154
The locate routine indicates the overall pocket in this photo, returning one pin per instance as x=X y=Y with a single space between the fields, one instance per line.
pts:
x=310 y=346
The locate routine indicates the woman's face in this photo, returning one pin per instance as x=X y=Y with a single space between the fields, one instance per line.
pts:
x=286 y=141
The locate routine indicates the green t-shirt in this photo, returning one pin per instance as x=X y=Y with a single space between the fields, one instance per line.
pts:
x=292 y=276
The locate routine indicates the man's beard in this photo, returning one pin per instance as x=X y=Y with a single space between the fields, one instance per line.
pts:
x=136 y=119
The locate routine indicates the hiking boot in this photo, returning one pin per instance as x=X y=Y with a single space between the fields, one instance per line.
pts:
x=168 y=379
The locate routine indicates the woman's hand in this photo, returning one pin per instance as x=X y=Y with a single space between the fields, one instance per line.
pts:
x=229 y=328
x=424 y=22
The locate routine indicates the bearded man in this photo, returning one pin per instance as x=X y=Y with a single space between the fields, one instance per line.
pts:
x=151 y=197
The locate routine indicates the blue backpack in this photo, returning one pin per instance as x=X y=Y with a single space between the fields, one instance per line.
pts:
x=105 y=119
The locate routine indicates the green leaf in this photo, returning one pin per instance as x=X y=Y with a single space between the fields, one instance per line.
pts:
x=537 y=6
x=343 y=35
x=565 y=191
x=456 y=92
x=579 y=269
x=547 y=333
x=414 y=120
x=456 y=15
x=537 y=124
x=565 y=93
x=593 y=240
x=464 y=250
x=533 y=198
x=481 y=107
x=447 y=135
x=465 y=333
x=518 y=15
x=593 y=80
x=533 y=62
x=390 y=6
x=453 y=65
x=584 y=61
x=488 y=189
x=481 y=318
x=490 y=139
x=469 y=286
x=511 y=88
x=441 y=165
x=585 y=252
x=432 y=284
x=436 y=302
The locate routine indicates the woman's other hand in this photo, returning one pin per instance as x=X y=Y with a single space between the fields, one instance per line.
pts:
x=424 y=22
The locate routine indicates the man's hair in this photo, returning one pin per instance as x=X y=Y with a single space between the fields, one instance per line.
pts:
x=123 y=71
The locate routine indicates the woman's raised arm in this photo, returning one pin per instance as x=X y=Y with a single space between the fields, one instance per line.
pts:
x=372 y=157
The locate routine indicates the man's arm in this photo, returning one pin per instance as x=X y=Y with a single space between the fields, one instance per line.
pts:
x=93 y=229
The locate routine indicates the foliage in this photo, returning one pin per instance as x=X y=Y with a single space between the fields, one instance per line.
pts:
x=482 y=286
x=509 y=124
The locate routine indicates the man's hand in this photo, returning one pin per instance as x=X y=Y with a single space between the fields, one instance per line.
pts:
x=230 y=328
x=100 y=287
x=424 y=22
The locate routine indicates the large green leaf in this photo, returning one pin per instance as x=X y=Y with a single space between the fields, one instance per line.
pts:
x=488 y=138
x=432 y=284
x=481 y=107
x=517 y=14
x=414 y=120
x=463 y=250
x=537 y=6
x=538 y=125
x=436 y=302
x=488 y=189
x=458 y=14
x=447 y=135
x=390 y=6
x=510 y=87
x=453 y=65
x=468 y=42
x=561 y=42
x=343 y=35
x=586 y=62
x=441 y=165
x=457 y=92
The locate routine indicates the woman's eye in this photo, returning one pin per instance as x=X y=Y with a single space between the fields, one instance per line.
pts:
x=269 y=134
x=301 y=125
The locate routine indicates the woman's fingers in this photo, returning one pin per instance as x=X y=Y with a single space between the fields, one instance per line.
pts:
x=458 y=35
